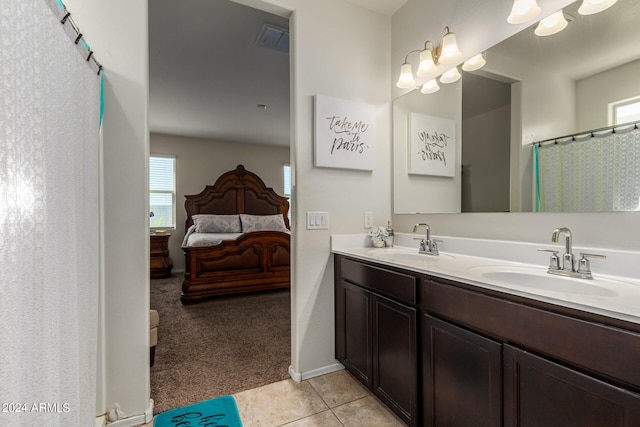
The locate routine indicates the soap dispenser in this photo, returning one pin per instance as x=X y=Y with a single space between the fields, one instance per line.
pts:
x=388 y=241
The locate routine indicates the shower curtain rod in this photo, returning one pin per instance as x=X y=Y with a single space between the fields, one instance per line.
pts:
x=581 y=136
x=72 y=30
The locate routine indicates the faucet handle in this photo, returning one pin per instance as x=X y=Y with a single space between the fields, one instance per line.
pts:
x=583 y=263
x=554 y=261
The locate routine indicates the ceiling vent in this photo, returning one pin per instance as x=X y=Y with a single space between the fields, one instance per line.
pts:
x=273 y=37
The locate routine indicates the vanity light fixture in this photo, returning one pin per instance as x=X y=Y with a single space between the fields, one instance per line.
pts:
x=450 y=76
x=430 y=57
x=474 y=63
x=523 y=11
x=430 y=87
x=552 y=24
x=589 y=7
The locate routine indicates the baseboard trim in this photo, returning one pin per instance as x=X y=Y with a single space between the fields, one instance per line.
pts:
x=136 y=420
x=301 y=376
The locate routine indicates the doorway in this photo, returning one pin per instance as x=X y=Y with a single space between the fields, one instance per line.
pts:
x=214 y=101
x=486 y=127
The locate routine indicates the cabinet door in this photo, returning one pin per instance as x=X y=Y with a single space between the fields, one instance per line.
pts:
x=356 y=330
x=462 y=377
x=541 y=393
x=395 y=373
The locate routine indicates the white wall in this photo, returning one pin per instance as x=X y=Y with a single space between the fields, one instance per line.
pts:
x=200 y=162
x=479 y=25
x=341 y=50
x=601 y=89
x=117 y=32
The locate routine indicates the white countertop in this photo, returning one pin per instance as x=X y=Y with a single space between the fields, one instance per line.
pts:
x=474 y=261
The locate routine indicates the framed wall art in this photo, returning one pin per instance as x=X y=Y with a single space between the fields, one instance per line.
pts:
x=344 y=134
x=432 y=145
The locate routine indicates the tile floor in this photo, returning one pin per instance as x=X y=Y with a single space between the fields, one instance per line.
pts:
x=331 y=400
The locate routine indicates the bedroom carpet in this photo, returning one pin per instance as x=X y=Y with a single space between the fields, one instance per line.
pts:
x=219 y=347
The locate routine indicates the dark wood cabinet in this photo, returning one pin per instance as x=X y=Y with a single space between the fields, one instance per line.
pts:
x=358 y=343
x=540 y=393
x=395 y=357
x=376 y=333
x=160 y=262
x=443 y=353
x=462 y=377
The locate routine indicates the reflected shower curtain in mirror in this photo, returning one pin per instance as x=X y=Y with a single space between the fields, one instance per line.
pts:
x=589 y=174
x=49 y=222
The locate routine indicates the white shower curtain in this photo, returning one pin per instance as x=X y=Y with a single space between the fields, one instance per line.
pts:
x=591 y=174
x=49 y=222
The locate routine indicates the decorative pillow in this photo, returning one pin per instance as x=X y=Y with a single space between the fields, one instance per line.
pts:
x=262 y=223
x=217 y=223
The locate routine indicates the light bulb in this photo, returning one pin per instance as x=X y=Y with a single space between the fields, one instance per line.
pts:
x=552 y=24
x=449 y=52
x=589 y=7
x=406 y=81
x=430 y=87
x=450 y=76
x=474 y=63
x=523 y=11
x=426 y=63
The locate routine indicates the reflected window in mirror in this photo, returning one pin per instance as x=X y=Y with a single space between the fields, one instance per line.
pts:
x=625 y=111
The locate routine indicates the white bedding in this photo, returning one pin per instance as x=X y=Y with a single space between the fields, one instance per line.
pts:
x=206 y=239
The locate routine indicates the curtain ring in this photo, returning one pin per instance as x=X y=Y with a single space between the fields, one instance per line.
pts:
x=64 y=19
x=78 y=38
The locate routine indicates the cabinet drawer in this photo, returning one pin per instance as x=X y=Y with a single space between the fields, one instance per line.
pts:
x=599 y=348
x=391 y=283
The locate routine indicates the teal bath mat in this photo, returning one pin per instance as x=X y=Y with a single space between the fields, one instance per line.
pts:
x=219 y=412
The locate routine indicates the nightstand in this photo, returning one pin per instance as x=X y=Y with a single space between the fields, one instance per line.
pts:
x=160 y=261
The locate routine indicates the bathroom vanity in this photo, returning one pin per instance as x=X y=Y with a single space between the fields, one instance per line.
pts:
x=441 y=341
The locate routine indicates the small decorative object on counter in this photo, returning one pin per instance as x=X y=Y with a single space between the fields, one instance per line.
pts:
x=378 y=235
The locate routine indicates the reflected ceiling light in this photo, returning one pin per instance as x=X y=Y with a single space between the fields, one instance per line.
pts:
x=474 y=63
x=523 y=11
x=450 y=76
x=406 y=81
x=430 y=87
x=552 y=24
x=448 y=51
x=589 y=7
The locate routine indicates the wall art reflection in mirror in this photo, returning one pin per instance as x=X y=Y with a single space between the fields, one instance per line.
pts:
x=432 y=145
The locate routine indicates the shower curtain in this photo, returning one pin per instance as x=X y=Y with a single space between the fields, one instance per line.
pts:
x=49 y=222
x=599 y=173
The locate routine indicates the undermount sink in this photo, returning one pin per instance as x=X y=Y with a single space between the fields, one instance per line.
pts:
x=403 y=255
x=539 y=279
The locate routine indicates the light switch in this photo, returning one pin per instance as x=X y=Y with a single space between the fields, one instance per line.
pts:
x=317 y=220
x=368 y=219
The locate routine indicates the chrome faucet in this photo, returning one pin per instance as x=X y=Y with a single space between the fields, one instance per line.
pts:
x=427 y=246
x=567 y=258
x=569 y=266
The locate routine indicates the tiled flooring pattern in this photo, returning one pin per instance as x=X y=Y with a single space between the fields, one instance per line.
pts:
x=331 y=400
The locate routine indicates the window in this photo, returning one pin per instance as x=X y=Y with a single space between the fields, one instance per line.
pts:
x=287 y=187
x=626 y=111
x=162 y=191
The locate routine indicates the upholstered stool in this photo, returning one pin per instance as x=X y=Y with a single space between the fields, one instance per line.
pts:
x=154 y=320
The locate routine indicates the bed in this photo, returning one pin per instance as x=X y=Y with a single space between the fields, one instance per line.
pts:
x=237 y=238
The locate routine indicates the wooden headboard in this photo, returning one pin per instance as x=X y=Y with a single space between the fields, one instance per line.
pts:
x=235 y=192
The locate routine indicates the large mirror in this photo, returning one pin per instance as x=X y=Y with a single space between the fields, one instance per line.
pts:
x=531 y=89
